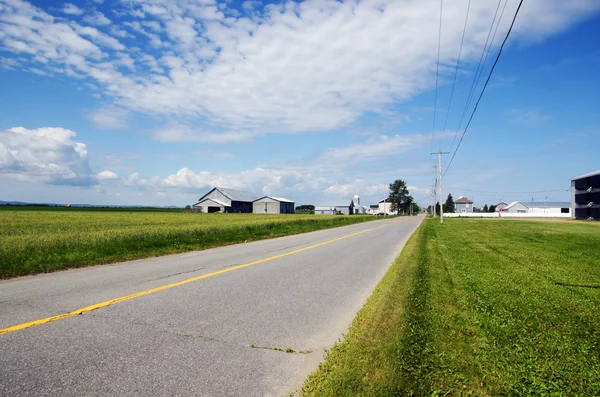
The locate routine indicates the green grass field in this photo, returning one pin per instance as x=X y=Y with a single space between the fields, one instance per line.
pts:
x=478 y=307
x=47 y=238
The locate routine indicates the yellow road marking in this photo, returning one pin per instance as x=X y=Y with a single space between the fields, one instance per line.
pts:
x=176 y=284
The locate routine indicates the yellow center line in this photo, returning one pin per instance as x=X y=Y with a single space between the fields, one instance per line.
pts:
x=176 y=284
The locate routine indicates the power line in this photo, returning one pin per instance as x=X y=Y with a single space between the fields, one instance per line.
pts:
x=478 y=78
x=478 y=72
x=462 y=40
x=486 y=83
x=437 y=73
x=508 y=193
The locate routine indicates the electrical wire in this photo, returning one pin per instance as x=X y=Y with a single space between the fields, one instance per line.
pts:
x=462 y=40
x=478 y=78
x=478 y=72
x=508 y=193
x=512 y=24
x=437 y=73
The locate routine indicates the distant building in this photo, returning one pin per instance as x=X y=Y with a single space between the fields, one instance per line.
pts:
x=225 y=200
x=338 y=209
x=345 y=209
x=585 y=196
x=550 y=207
x=385 y=206
x=324 y=210
x=500 y=206
x=516 y=207
x=272 y=205
x=463 y=205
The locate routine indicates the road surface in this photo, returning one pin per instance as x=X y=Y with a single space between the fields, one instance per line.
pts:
x=183 y=325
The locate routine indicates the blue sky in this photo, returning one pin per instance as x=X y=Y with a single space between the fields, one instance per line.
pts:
x=153 y=102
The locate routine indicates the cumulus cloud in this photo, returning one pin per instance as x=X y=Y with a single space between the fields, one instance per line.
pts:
x=324 y=178
x=282 y=68
x=107 y=175
x=46 y=154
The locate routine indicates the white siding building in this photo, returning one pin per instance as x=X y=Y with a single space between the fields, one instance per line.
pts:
x=272 y=205
x=550 y=207
x=220 y=199
x=385 y=206
x=516 y=207
x=324 y=210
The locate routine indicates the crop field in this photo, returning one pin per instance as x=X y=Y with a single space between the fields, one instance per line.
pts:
x=42 y=240
x=481 y=308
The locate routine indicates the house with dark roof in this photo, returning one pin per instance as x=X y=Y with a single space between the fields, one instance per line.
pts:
x=500 y=206
x=463 y=205
x=220 y=199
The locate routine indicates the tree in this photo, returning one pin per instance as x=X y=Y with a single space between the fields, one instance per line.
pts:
x=492 y=208
x=449 y=206
x=485 y=208
x=305 y=207
x=398 y=195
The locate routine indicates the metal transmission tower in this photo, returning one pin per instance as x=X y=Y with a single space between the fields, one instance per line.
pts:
x=441 y=175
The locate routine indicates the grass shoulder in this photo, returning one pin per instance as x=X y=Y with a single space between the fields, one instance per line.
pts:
x=477 y=308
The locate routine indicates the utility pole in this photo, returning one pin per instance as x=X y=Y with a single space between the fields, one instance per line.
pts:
x=434 y=189
x=440 y=153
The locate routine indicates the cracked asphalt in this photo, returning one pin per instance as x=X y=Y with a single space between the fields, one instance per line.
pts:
x=194 y=339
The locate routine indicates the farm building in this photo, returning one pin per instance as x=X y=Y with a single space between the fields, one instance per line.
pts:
x=585 y=196
x=345 y=209
x=272 y=205
x=463 y=205
x=549 y=207
x=516 y=207
x=324 y=210
x=335 y=209
x=225 y=200
x=385 y=206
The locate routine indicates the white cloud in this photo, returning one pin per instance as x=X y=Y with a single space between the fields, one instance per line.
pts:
x=179 y=133
x=46 y=154
x=107 y=175
x=533 y=117
x=310 y=66
x=72 y=9
x=110 y=117
x=97 y=18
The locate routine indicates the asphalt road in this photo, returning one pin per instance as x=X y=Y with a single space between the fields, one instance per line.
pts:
x=194 y=339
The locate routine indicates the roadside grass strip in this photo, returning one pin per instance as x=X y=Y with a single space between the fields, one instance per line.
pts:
x=39 y=241
x=477 y=308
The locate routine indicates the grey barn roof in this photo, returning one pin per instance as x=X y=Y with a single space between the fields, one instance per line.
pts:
x=233 y=195
x=280 y=199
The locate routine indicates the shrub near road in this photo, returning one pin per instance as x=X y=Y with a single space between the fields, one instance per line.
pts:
x=478 y=307
x=36 y=241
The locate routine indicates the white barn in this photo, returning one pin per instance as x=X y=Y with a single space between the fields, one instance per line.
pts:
x=272 y=205
x=516 y=207
x=220 y=199
x=550 y=207
x=323 y=210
